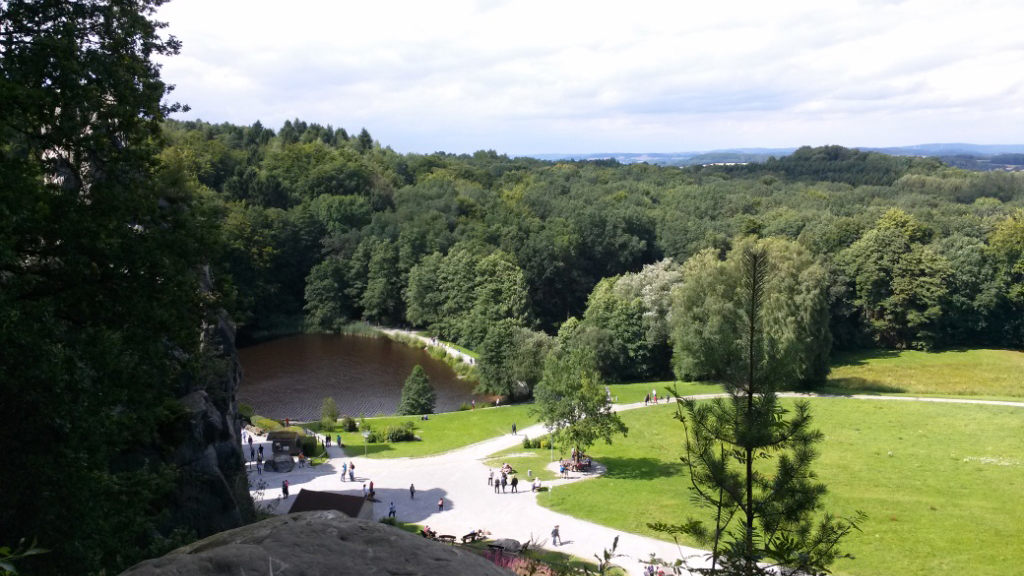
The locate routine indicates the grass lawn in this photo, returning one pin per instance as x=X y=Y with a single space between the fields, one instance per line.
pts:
x=631 y=393
x=993 y=373
x=442 y=432
x=946 y=502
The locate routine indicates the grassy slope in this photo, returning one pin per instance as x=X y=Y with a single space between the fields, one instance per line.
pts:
x=442 y=432
x=933 y=508
x=630 y=393
x=992 y=373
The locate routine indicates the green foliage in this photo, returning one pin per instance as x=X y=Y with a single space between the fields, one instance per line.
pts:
x=707 y=315
x=757 y=518
x=403 y=432
x=246 y=411
x=8 y=556
x=571 y=400
x=101 y=246
x=348 y=424
x=266 y=424
x=329 y=409
x=418 y=395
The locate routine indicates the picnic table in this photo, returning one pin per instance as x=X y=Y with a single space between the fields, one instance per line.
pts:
x=446 y=538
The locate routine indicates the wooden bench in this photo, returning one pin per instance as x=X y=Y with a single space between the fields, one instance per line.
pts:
x=446 y=538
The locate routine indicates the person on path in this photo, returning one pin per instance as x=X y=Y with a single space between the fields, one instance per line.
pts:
x=513 y=428
x=259 y=468
x=284 y=488
x=260 y=451
x=497 y=486
x=412 y=491
x=252 y=453
x=344 y=470
x=391 y=511
x=351 y=467
x=515 y=482
x=536 y=484
x=250 y=442
x=371 y=486
x=440 y=504
x=556 y=538
x=654 y=396
x=351 y=475
x=339 y=440
x=504 y=482
x=365 y=492
x=490 y=478
x=647 y=399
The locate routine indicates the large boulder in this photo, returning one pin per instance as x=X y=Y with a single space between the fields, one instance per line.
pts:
x=314 y=544
x=280 y=463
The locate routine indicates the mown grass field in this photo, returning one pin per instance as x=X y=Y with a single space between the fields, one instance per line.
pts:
x=631 y=393
x=442 y=432
x=982 y=373
x=946 y=502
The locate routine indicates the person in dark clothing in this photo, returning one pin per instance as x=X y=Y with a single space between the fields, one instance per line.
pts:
x=504 y=482
x=514 y=482
x=284 y=488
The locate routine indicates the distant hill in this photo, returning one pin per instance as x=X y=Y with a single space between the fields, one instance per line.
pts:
x=981 y=157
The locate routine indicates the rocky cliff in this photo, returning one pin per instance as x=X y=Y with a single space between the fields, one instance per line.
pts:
x=314 y=544
x=212 y=494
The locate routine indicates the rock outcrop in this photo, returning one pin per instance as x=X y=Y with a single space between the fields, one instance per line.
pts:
x=213 y=492
x=317 y=543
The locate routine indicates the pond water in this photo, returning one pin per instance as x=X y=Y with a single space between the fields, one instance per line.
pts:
x=290 y=377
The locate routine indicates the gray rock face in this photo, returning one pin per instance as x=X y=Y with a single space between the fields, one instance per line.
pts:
x=317 y=544
x=508 y=544
x=212 y=494
x=280 y=463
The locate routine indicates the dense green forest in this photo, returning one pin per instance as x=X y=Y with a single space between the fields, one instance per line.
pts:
x=514 y=255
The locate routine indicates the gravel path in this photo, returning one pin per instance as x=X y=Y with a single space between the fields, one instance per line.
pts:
x=452 y=351
x=459 y=478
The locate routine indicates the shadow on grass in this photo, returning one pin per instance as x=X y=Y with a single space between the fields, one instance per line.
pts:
x=856 y=385
x=640 y=468
x=861 y=358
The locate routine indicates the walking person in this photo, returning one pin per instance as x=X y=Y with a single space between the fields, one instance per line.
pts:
x=365 y=492
x=440 y=504
x=284 y=488
x=339 y=440
x=647 y=399
x=351 y=475
x=504 y=482
x=490 y=478
x=556 y=538
x=513 y=428
x=515 y=482
x=344 y=470
x=497 y=486
x=351 y=468
x=259 y=467
x=412 y=491
x=391 y=511
x=260 y=451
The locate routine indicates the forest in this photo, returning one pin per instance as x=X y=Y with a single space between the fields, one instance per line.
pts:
x=511 y=256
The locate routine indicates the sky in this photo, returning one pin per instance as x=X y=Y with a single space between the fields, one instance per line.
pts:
x=528 y=77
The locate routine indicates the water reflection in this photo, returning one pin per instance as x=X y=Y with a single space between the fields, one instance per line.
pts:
x=290 y=377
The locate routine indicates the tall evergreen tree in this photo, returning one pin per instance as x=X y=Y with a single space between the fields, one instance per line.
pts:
x=763 y=515
x=418 y=396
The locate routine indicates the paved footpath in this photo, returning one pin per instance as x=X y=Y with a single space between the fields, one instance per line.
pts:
x=459 y=478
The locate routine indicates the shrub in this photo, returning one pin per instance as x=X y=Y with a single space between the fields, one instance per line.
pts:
x=400 y=433
x=246 y=411
x=266 y=424
x=310 y=446
x=388 y=520
x=348 y=424
x=465 y=406
x=327 y=424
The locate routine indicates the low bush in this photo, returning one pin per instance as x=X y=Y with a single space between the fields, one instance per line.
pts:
x=246 y=411
x=348 y=424
x=265 y=424
x=310 y=446
x=465 y=406
x=398 y=433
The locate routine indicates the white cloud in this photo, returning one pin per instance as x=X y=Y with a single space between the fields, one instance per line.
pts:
x=530 y=76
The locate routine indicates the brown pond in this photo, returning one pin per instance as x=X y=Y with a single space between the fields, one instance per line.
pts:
x=290 y=377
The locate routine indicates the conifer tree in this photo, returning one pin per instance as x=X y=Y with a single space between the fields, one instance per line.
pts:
x=750 y=458
x=418 y=396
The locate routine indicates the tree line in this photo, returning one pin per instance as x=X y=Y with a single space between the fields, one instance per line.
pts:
x=515 y=255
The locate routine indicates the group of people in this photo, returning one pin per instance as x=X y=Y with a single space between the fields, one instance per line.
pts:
x=652 y=398
x=348 y=469
x=500 y=483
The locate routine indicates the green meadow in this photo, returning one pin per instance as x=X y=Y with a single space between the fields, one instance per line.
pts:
x=982 y=373
x=940 y=483
x=441 y=432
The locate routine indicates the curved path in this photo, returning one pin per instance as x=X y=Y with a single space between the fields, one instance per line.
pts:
x=459 y=478
x=450 y=350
